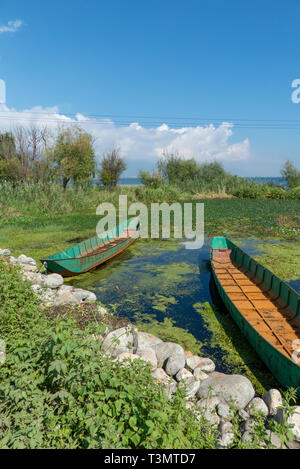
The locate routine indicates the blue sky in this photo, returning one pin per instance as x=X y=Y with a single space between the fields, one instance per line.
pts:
x=185 y=62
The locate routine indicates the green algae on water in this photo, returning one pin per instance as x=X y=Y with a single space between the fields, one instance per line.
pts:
x=282 y=259
x=168 y=332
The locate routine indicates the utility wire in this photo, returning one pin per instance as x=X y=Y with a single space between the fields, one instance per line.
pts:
x=273 y=124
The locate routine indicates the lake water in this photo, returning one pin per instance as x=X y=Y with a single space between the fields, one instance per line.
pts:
x=164 y=286
x=133 y=181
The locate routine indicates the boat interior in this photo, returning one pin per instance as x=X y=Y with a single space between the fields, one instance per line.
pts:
x=266 y=304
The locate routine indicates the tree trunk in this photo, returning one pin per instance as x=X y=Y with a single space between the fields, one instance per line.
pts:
x=65 y=182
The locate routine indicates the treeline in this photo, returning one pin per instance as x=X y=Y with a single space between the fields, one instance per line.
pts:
x=191 y=176
x=36 y=155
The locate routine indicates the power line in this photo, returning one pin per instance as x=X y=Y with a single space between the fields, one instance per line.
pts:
x=130 y=116
x=13 y=116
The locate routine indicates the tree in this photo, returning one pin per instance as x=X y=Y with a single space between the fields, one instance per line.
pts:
x=290 y=174
x=175 y=169
x=10 y=168
x=112 y=166
x=73 y=156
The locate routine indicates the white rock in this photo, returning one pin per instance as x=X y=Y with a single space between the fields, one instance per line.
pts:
x=243 y=414
x=225 y=427
x=292 y=420
x=191 y=386
x=29 y=267
x=257 y=405
x=225 y=440
x=165 y=349
x=36 y=288
x=22 y=259
x=47 y=295
x=248 y=425
x=146 y=340
x=206 y=365
x=170 y=356
x=275 y=440
x=34 y=277
x=168 y=383
x=199 y=374
x=247 y=437
x=127 y=356
x=273 y=400
x=175 y=363
x=193 y=362
x=12 y=259
x=224 y=411
x=183 y=374
x=119 y=341
x=206 y=408
x=234 y=389
x=5 y=252
x=53 y=280
x=66 y=298
x=102 y=310
x=208 y=403
x=84 y=295
x=190 y=405
x=64 y=289
x=149 y=355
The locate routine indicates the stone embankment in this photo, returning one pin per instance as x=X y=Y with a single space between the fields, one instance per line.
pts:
x=49 y=288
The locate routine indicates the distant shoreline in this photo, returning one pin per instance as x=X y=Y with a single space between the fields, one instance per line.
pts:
x=134 y=181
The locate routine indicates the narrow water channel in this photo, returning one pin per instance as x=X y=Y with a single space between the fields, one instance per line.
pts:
x=168 y=289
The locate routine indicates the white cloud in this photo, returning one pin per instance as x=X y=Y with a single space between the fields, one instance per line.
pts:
x=138 y=143
x=11 y=26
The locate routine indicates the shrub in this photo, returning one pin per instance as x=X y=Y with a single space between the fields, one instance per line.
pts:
x=291 y=175
x=153 y=180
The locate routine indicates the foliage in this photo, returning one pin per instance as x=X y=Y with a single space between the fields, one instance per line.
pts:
x=9 y=162
x=58 y=391
x=19 y=308
x=291 y=175
x=153 y=180
x=73 y=156
x=112 y=166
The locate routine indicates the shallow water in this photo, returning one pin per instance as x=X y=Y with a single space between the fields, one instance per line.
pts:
x=154 y=280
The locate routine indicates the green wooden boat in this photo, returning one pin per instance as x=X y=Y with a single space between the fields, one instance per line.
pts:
x=265 y=308
x=91 y=253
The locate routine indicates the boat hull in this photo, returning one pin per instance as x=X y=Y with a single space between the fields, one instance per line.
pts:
x=88 y=254
x=284 y=369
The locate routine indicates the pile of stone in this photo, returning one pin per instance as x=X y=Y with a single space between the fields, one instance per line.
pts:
x=49 y=288
x=209 y=394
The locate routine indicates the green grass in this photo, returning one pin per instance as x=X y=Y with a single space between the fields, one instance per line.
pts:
x=42 y=235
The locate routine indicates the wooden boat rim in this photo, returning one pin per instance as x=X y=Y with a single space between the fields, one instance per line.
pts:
x=281 y=280
x=292 y=362
x=85 y=256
